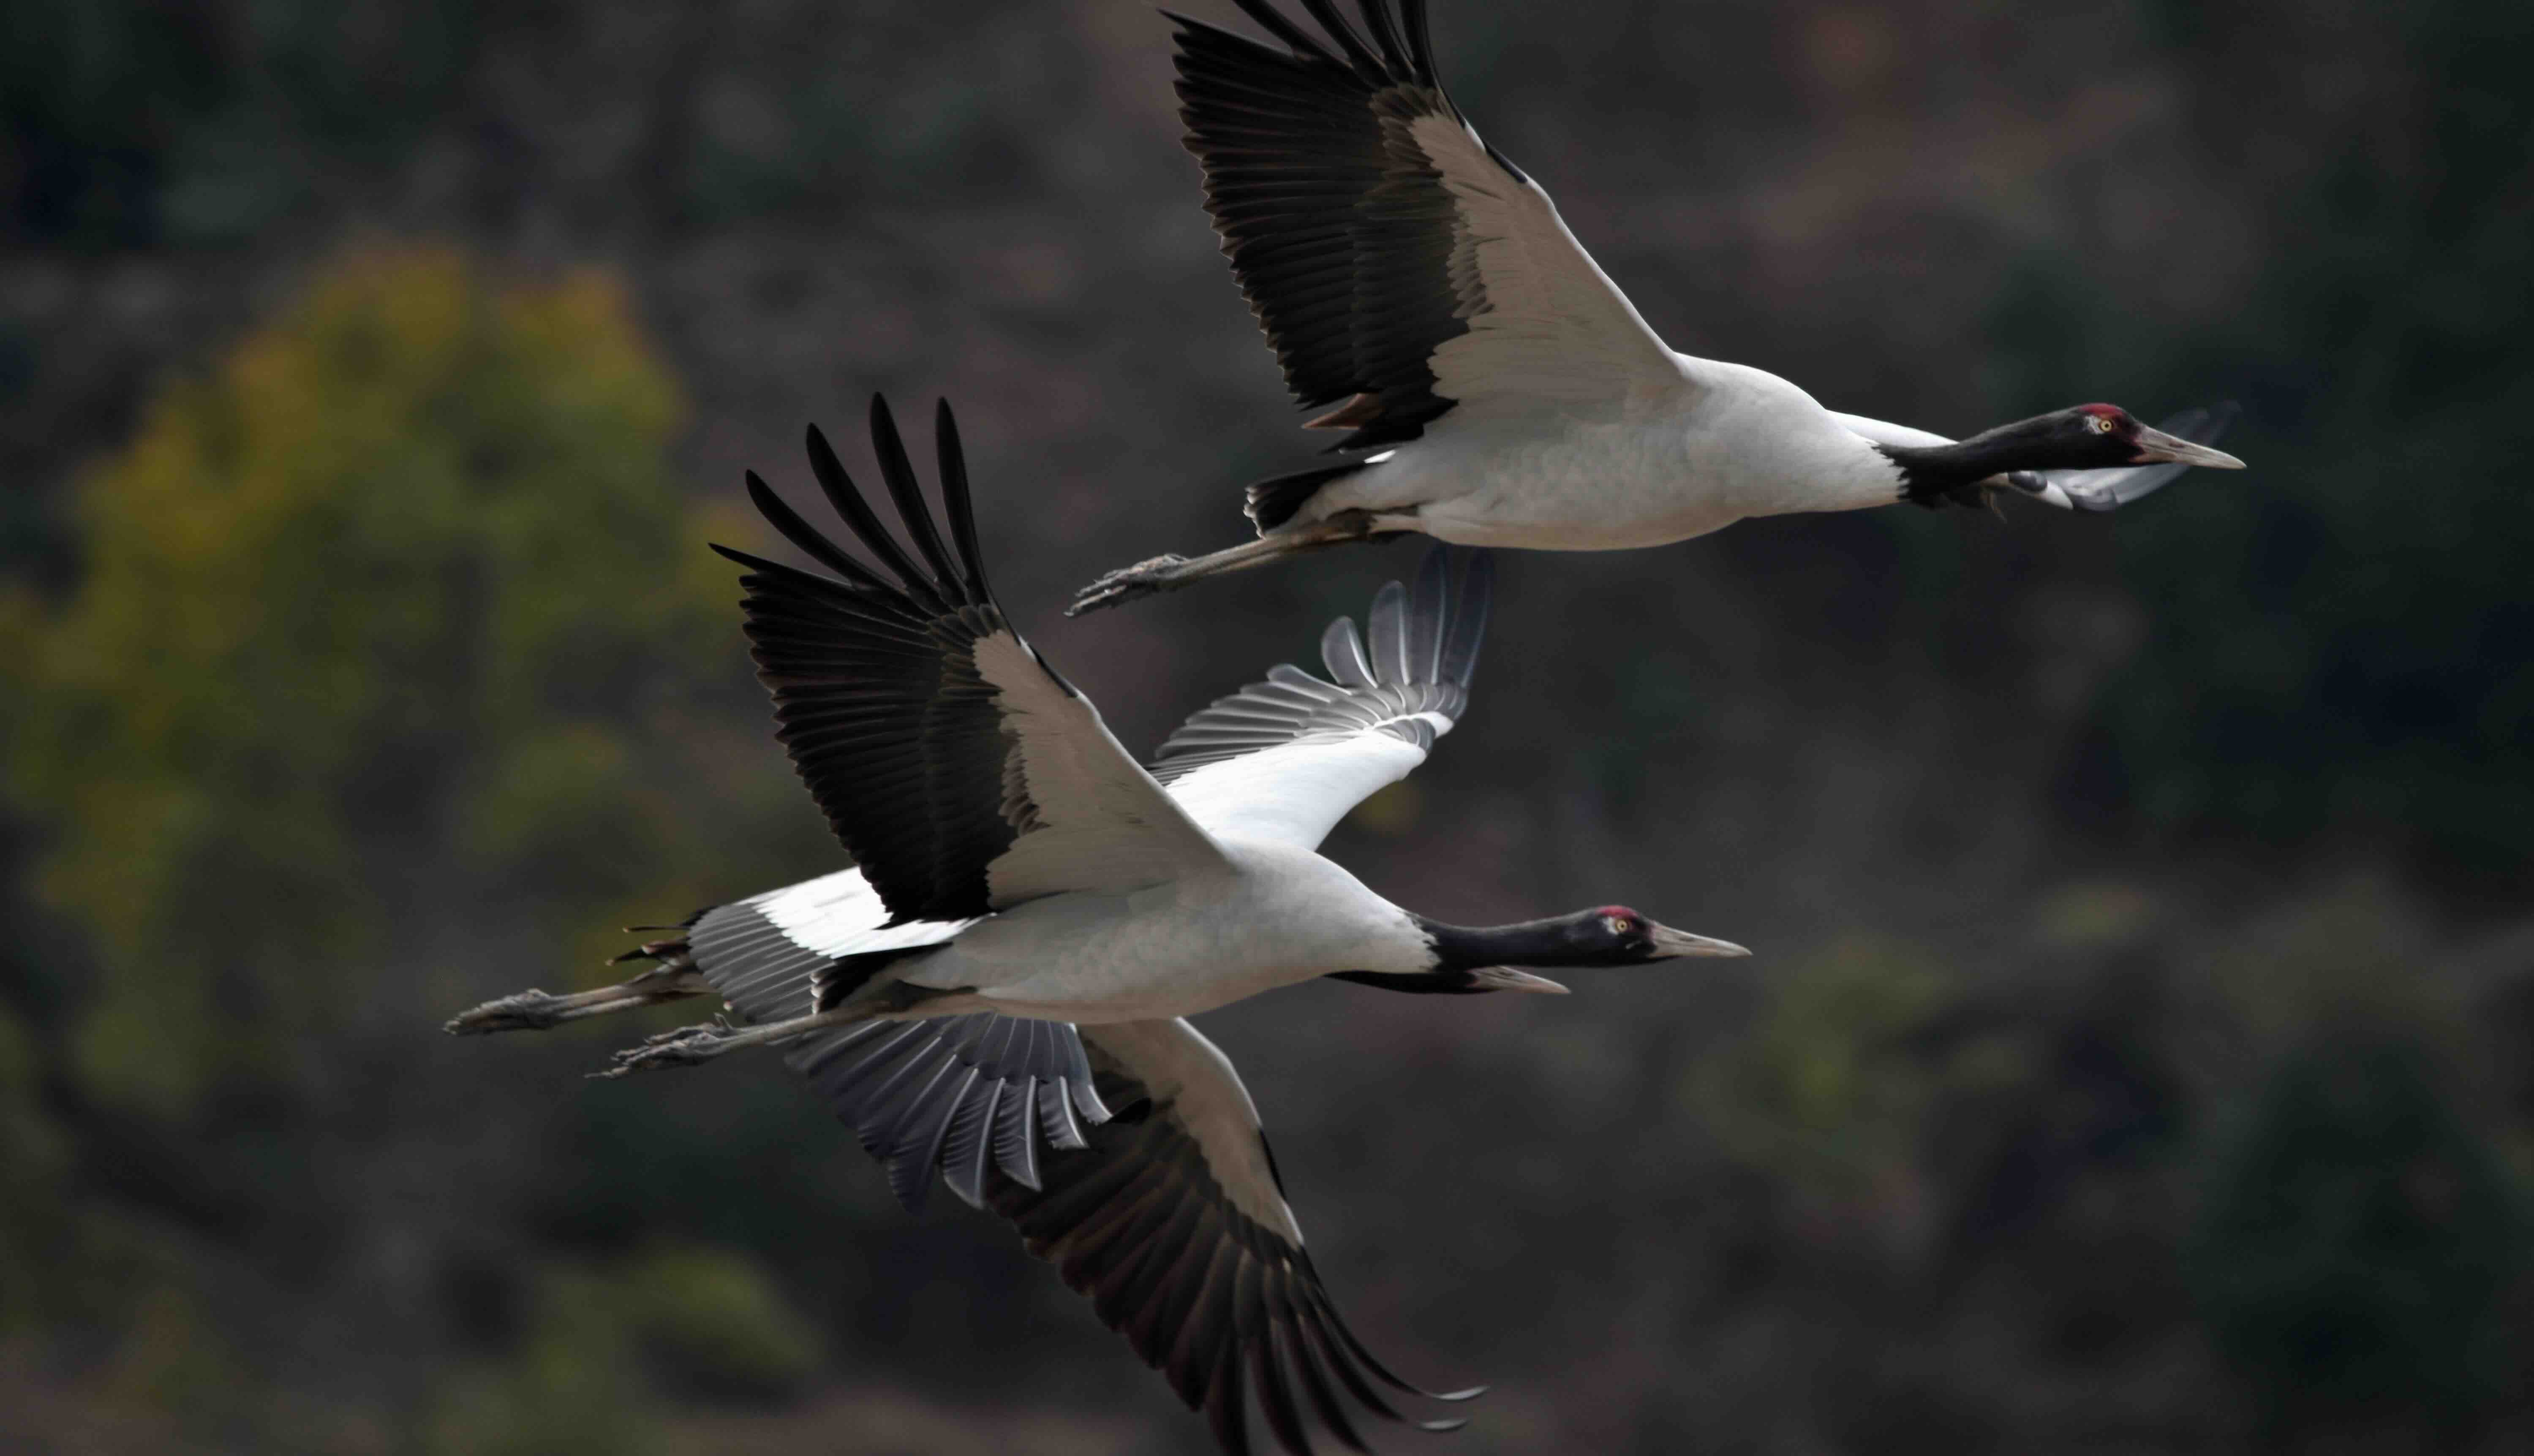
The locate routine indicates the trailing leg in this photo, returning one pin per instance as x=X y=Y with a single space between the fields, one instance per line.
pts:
x=1166 y=574
x=688 y=1046
x=674 y=978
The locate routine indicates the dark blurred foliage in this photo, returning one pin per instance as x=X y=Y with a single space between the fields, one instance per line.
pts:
x=2367 y=665
x=2357 y=1249
x=2134 y=1061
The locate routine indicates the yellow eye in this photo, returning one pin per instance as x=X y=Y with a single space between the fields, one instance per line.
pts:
x=2101 y=424
x=1616 y=924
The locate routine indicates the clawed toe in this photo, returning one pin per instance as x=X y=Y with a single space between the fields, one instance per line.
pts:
x=684 y=1047
x=543 y=1011
x=523 y=1010
x=712 y=1029
x=1126 y=584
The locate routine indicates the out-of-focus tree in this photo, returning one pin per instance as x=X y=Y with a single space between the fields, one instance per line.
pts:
x=2357 y=1249
x=137 y=125
x=393 y=645
x=2337 y=639
x=1828 y=1092
x=387 y=608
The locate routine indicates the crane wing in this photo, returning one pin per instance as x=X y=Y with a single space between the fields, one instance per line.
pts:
x=1175 y=1223
x=1167 y=1211
x=1397 y=262
x=1286 y=759
x=963 y=773
x=957 y=1094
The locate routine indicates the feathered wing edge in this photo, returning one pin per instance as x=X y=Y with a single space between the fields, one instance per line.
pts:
x=1317 y=217
x=1411 y=679
x=877 y=691
x=1128 y=1205
x=1222 y=1304
x=962 y=1094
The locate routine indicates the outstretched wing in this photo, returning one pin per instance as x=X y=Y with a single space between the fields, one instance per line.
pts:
x=1395 y=260
x=1286 y=759
x=960 y=771
x=1167 y=1211
x=1175 y=1223
x=2110 y=489
x=956 y=1094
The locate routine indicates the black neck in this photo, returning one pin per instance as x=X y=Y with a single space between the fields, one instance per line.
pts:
x=1461 y=951
x=1931 y=475
x=2067 y=439
x=1457 y=982
x=1555 y=941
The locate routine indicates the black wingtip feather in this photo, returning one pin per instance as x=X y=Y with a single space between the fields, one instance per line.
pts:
x=1225 y=1409
x=1225 y=1308
x=847 y=499
x=1421 y=42
x=952 y=460
x=905 y=492
x=1316 y=1317
x=1382 y=1372
x=1365 y=63
x=1395 y=60
x=1315 y=1380
x=1276 y=1395
x=1295 y=38
x=802 y=534
x=866 y=674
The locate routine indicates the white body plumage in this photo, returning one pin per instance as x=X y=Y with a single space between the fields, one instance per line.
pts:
x=1277 y=916
x=1731 y=442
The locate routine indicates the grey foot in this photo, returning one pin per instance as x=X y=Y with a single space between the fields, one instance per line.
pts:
x=1129 y=584
x=539 y=1010
x=688 y=1046
x=524 y=1011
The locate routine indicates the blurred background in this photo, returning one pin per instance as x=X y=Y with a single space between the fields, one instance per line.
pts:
x=2135 y=1055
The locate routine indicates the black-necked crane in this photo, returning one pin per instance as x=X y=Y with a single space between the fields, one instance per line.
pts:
x=1497 y=388
x=996 y=990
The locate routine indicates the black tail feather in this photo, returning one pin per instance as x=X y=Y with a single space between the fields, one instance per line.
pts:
x=1279 y=499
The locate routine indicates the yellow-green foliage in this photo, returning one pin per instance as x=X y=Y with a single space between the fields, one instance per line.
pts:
x=606 y=1347
x=379 y=612
x=712 y=1316
x=1827 y=1090
x=33 y=1150
x=572 y=1386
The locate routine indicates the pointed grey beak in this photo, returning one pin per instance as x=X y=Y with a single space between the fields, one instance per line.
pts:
x=1507 y=979
x=1670 y=943
x=2156 y=445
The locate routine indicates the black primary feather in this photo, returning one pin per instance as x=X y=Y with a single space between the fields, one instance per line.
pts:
x=877 y=691
x=1222 y=1306
x=1340 y=231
